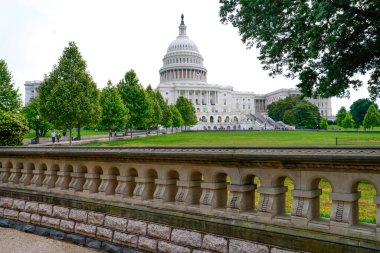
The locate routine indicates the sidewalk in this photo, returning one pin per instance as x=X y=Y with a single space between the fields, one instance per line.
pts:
x=14 y=241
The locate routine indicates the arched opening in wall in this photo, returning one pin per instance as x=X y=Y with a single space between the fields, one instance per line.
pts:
x=287 y=182
x=171 y=192
x=367 y=206
x=227 y=119
x=208 y=128
x=204 y=119
x=234 y=127
x=222 y=194
x=219 y=119
x=228 y=128
x=112 y=181
x=256 y=181
x=41 y=176
x=325 y=202
x=211 y=119
x=215 y=128
x=204 y=128
x=236 y=119
x=152 y=186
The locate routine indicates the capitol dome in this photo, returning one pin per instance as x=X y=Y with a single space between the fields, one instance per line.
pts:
x=182 y=61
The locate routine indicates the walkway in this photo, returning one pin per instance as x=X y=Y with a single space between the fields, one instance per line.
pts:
x=14 y=241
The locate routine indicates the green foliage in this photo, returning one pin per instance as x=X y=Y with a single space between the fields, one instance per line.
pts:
x=187 y=111
x=372 y=118
x=323 y=124
x=114 y=112
x=68 y=95
x=359 y=108
x=30 y=112
x=295 y=111
x=177 y=120
x=348 y=121
x=135 y=100
x=10 y=100
x=276 y=110
x=13 y=128
x=166 y=120
x=324 y=43
x=155 y=117
x=306 y=115
x=341 y=115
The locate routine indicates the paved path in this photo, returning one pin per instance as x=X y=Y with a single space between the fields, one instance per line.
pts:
x=14 y=241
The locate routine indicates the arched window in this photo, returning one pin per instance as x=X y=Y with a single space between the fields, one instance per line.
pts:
x=219 y=119
x=204 y=119
x=211 y=119
x=227 y=119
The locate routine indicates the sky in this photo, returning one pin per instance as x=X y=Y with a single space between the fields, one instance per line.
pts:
x=115 y=36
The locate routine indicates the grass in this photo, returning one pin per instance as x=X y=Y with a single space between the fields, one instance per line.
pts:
x=256 y=138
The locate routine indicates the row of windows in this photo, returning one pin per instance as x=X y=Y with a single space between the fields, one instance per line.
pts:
x=183 y=60
x=182 y=46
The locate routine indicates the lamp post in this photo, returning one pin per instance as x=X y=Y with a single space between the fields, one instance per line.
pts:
x=37 y=137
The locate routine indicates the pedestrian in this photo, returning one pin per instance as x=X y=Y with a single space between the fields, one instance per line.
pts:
x=53 y=136
x=64 y=135
x=58 y=136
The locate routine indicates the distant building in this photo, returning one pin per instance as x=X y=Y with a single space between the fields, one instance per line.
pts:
x=31 y=90
x=217 y=106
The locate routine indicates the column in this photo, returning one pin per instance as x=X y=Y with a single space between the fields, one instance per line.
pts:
x=92 y=181
x=108 y=184
x=305 y=206
x=144 y=188
x=241 y=197
x=125 y=186
x=377 y=202
x=166 y=190
x=214 y=195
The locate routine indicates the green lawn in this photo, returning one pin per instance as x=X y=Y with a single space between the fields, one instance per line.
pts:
x=257 y=138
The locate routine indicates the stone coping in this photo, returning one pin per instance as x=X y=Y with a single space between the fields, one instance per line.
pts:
x=304 y=153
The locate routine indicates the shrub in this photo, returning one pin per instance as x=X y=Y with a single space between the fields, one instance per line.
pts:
x=13 y=127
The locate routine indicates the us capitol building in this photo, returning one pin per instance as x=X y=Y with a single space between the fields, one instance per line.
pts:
x=218 y=106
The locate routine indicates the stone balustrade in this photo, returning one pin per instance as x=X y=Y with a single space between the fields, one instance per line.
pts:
x=217 y=182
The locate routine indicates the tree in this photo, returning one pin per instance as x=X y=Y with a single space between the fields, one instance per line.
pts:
x=135 y=100
x=359 y=108
x=324 y=43
x=156 y=112
x=323 y=124
x=30 y=112
x=276 y=110
x=187 y=111
x=10 y=100
x=114 y=112
x=13 y=128
x=371 y=118
x=68 y=95
x=341 y=115
x=177 y=120
x=348 y=121
x=306 y=115
x=166 y=120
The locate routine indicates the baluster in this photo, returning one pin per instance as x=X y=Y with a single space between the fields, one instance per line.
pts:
x=26 y=176
x=189 y=192
x=305 y=206
x=125 y=186
x=144 y=188
x=38 y=177
x=214 y=195
x=50 y=179
x=271 y=202
x=63 y=180
x=344 y=211
x=4 y=174
x=241 y=197
x=92 y=182
x=108 y=184
x=77 y=181
x=166 y=190
x=377 y=202
x=15 y=174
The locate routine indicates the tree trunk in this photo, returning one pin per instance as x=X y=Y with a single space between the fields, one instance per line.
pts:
x=78 y=131
x=109 y=135
x=157 y=129
x=70 y=137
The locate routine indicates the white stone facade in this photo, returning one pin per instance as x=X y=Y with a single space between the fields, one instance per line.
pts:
x=31 y=90
x=217 y=106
